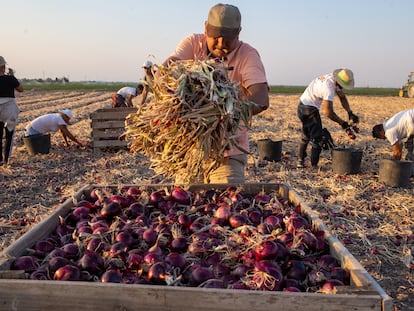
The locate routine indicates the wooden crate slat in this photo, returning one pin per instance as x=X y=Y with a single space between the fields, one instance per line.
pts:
x=107 y=125
x=43 y=295
x=107 y=133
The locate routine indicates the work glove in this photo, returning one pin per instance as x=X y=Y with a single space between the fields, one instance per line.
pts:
x=353 y=118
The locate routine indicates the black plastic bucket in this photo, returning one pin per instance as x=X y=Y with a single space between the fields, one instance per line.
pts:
x=270 y=150
x=395 y=173
x=346 y=160
x=37 y=144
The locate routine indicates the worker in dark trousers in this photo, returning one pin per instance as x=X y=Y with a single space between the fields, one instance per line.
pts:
x=9 y=110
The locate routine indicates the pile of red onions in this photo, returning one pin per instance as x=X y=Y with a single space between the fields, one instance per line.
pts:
x=207 y=238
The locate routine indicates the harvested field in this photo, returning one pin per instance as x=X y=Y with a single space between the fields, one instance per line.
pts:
x=375 y=222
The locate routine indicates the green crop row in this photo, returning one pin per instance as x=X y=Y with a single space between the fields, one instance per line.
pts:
x=114 y=86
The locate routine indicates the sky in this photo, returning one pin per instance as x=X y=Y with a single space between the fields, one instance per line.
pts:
x=108 y=40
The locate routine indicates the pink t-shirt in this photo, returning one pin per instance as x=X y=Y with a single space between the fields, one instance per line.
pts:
x=247 y=69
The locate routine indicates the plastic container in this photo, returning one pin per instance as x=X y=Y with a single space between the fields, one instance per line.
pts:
x=346 y=160
x=395 y=173
x=270 y=150
x=37 y=144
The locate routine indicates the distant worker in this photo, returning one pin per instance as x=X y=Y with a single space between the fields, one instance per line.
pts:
x=53 y=122
x=318 y=99
x=147 y=79
x=123 y=98
x=395 y=130
x=9 y=110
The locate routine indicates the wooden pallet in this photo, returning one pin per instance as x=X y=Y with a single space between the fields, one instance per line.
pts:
x=363 y=294
x=108 y=124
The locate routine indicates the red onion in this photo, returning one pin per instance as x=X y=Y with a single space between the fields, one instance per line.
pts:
x=57 y=262
x=40 y=274
x=111 y=209
x=156 y=196
x=71 y=250
x=150 y=236
x=43 y=247
x=181 y=196
x=122 y=201
x=81 y=212
x=286 y=238
x=133 y=192
x=296 y=222
x=255 y=217
x=57 y=252
x=270 y=250
x=156 y=273
x=200 y=275
x=316 y=277
x=91 y=262
x=179 y=244
x=223 y=212
x=86 y=203
x=340 y=274
x=118 y=249
x=134 y=261
x=274 y=221
x=111 y=276
x=237 y=220
x=269 y=266
x=124 y=237
x=327 y=262
x=134 y=210
x=26 y=263
x=67 y=273
x=306 y=237
x=175 y=260
x=96 y=244
x=329 y=287
x=295 y=269
x=262 y=198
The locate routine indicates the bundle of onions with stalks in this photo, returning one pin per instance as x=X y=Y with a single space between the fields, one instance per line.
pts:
x=192 y=119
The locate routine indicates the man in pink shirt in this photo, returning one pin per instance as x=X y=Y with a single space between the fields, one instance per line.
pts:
x=221 y=40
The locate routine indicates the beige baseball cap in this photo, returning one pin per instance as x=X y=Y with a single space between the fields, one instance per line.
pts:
x=224 y=20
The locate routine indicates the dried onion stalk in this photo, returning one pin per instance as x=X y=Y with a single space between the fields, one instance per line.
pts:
x=191 y=120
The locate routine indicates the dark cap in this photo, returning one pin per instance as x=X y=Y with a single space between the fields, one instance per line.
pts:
x=224 y=20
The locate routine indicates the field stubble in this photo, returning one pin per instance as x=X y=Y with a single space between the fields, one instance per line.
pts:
x=375 y=222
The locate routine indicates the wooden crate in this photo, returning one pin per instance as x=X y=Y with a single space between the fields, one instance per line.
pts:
x=363 y=294
x=107 y=125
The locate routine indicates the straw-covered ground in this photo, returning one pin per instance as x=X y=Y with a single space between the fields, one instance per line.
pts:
x=374 y=221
